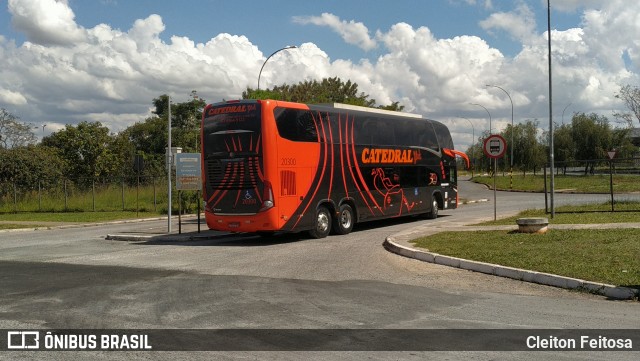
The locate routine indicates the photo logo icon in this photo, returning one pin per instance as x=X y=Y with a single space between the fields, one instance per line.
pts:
x=23 y=340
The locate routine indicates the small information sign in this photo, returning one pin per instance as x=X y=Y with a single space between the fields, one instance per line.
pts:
x=188 y=172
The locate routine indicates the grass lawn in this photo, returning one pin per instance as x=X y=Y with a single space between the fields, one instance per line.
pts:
x=608 y=256
x=80 y=217
x=590 y=214
x=601 y=255
x=574 y=183
x=17 y=226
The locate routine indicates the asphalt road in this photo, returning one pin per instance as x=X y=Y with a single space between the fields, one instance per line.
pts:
x=74 y=278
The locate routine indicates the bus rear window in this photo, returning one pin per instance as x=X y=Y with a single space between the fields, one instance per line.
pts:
x=224 y=120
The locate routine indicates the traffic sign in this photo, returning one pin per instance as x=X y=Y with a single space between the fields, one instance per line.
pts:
x=611 y=154
x=494 y=146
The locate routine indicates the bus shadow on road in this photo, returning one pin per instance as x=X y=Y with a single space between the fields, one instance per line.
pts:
x=206 y=239
x=194 y=239
x=390 y=222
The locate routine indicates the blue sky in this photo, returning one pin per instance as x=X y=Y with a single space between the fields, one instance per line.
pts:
x=269 y=24
x=71 y=60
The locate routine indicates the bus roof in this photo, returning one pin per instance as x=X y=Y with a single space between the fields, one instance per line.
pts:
x=372 y=110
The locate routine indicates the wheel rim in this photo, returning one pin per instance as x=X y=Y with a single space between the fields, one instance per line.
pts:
x=434 y=208
x=323 y=222
x=345 y=219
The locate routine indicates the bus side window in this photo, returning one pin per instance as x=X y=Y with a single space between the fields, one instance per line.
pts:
x=443 y=135
x=428 y=137
x=365 y=131
x=296 y=125
x=384 y=134
x=405 y=134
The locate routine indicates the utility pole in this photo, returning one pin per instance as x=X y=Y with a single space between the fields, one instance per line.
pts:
x=169 y=165
x=551 y=156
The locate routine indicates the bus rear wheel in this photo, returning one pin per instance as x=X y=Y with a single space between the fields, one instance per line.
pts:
x=433 y=214
x=343 y=223
x=322 y=225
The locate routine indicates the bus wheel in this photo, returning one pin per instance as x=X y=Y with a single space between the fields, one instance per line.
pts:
x=343 y=224
x=433 y=214
x=322 y=225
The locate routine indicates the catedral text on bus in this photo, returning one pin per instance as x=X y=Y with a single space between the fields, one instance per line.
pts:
x=272 y=166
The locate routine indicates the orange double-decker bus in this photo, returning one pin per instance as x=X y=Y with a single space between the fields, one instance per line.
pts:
x=271 y=166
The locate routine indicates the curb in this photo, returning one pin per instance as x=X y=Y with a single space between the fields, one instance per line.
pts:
x=157 y=237
x=482 y=200
x=127 y=238
x=88 y=224
x=611 y=291
x=164 y=237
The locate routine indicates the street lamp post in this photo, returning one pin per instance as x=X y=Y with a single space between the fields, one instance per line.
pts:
x=169 y=162
x=512 y=131
x=490 y=130
x=473 y=134
x=269 y=57
x=565 y=108
x=495 y=161
x=551 y=150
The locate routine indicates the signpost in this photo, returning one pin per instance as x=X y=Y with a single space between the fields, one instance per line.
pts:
x=494 y=147
x=188 y=177
x=611 y=154
x=138 y=166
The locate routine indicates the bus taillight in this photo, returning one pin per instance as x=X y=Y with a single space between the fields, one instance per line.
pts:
x=267 y=196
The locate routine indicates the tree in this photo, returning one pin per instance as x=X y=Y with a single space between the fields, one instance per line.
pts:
x=329 y=90
x=592 y=136
x=564 y=146
x=631 y=98
x=86 y=149
x=14 y=133
x=533 y=151
x=183 y=115
x=149 y=138
x=395 y=106
x=28 y=166
x=622 y=143
x=528 y=152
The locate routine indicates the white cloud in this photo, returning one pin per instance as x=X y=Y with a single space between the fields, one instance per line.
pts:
x=46 y=21
x=11 y=97
x=573 y=5
x=520 y=24
x=112 y=75
x=352 y=32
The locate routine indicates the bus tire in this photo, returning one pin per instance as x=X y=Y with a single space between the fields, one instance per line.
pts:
x=433 y=213
x=343 y=223
x=322 y=223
